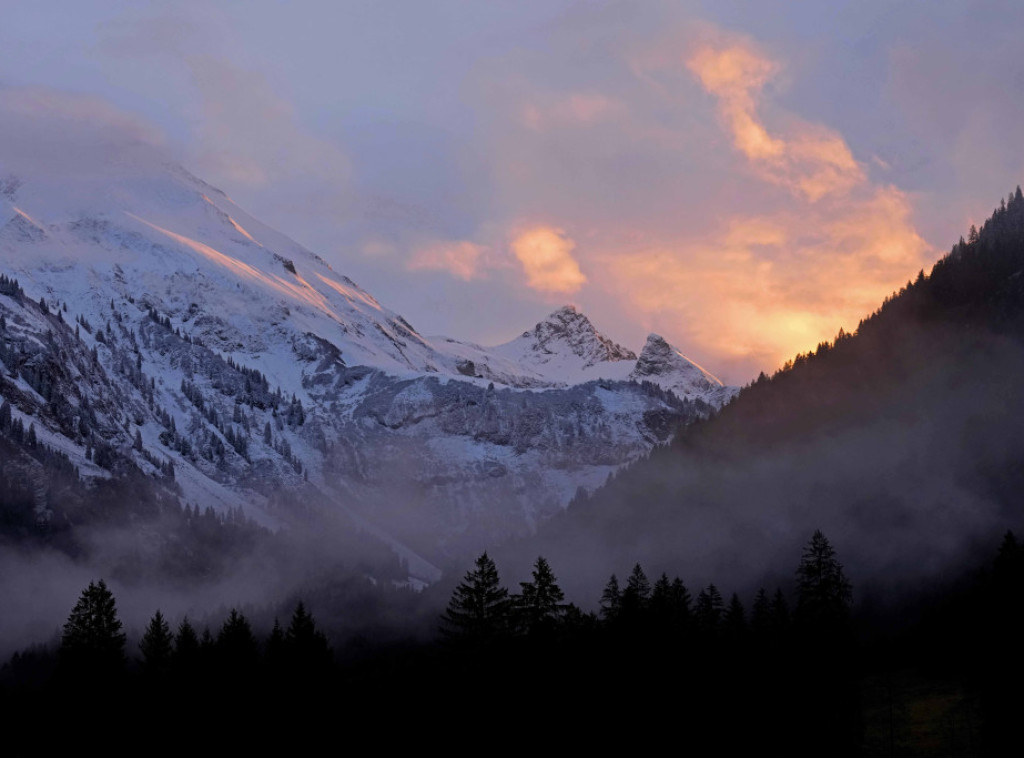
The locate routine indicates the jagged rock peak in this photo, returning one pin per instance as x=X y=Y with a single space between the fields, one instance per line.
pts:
x=659 y=359
x=573 y=329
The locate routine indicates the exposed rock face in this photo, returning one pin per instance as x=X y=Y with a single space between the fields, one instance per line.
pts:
x=666 y=366
x=569 y=331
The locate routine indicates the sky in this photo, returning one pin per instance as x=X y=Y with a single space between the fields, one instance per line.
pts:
x=744 y=179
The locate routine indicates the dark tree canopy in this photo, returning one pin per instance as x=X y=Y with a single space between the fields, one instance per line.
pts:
x=479 y=606
x=709 y=609
x=93 y=638
x=638 y=587
x=186 y=645
x=236 y=645
x=157 y=645
x=735 y=618
x=611 y=599
x=824 y=595
x=305 y=646
x=540 y=603
x=275 y=645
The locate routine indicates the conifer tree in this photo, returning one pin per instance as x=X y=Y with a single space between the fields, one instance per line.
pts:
x=186 y=645
x=638 y=585
x=709 y=609
x=637 y=596
x=540 y=603
x=236 y=646
x=306 y=646
x=93 y=640
x=661 y=600
x=157 y=645
x=829 y=688
x=823 y=592
x=611 y=599
x=479 y=606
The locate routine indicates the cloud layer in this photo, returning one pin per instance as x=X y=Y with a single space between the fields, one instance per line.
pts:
x=744 y=181
x=759 y=288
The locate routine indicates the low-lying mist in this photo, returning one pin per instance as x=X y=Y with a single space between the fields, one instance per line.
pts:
x=910 y=464
x=902 y=444
x=202 y=565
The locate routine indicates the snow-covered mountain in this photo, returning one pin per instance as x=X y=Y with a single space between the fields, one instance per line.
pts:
x=160 y=328
x=666 y=366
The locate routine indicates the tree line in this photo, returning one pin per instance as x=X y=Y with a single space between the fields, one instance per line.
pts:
x=653 y=660
x=481 y=609
x=93 y=647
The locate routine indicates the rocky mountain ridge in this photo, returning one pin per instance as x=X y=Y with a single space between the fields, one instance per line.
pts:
x=156 y=327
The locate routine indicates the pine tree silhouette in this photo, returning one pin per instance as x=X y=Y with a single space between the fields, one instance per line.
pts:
x=479 y=606
x=93 y=642
x=540 y=603
x=824 y=595
x=157 y=646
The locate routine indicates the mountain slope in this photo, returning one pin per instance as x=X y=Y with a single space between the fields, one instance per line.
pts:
x=157 y=328
x=902 y=442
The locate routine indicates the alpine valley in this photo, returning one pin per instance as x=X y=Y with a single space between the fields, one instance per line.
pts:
x=156 y=337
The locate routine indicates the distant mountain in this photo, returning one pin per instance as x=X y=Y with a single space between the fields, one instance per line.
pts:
x=564 y=346
x=154 y=329
x=663 y=364
x=901 y=441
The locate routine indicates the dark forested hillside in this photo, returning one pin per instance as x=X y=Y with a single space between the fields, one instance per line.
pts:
x=904 y=440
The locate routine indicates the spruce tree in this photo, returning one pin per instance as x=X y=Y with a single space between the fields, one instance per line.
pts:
x=93 y=641
x=709 y=609
x=305 y=646
x=157 y=645
x=611 y=599
x=829 y=686
x=637 y=596
x=479 y=606
x=236 y=648
x=661 y=594
x=540 y=603
x=824 y=594
x=186 y=646
x=638 y=585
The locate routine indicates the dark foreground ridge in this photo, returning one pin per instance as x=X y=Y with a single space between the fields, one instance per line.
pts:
x=807 y=675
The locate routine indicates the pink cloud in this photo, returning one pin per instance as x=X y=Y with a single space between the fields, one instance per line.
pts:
x=546 y=257
x=461 y=258
x=809 y=159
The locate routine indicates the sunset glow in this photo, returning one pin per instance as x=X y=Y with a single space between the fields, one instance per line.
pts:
x=743 y=183
x=302 y=293
x=546 y=256
x=460 y=258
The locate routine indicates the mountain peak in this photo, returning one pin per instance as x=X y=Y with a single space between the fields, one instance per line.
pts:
x=663 y=364
x=567 y=330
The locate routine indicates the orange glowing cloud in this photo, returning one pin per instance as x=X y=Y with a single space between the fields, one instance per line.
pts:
x=546 y=256
x=758 y=290
x=753 y=285
x=461 y=258
x=808 y=159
